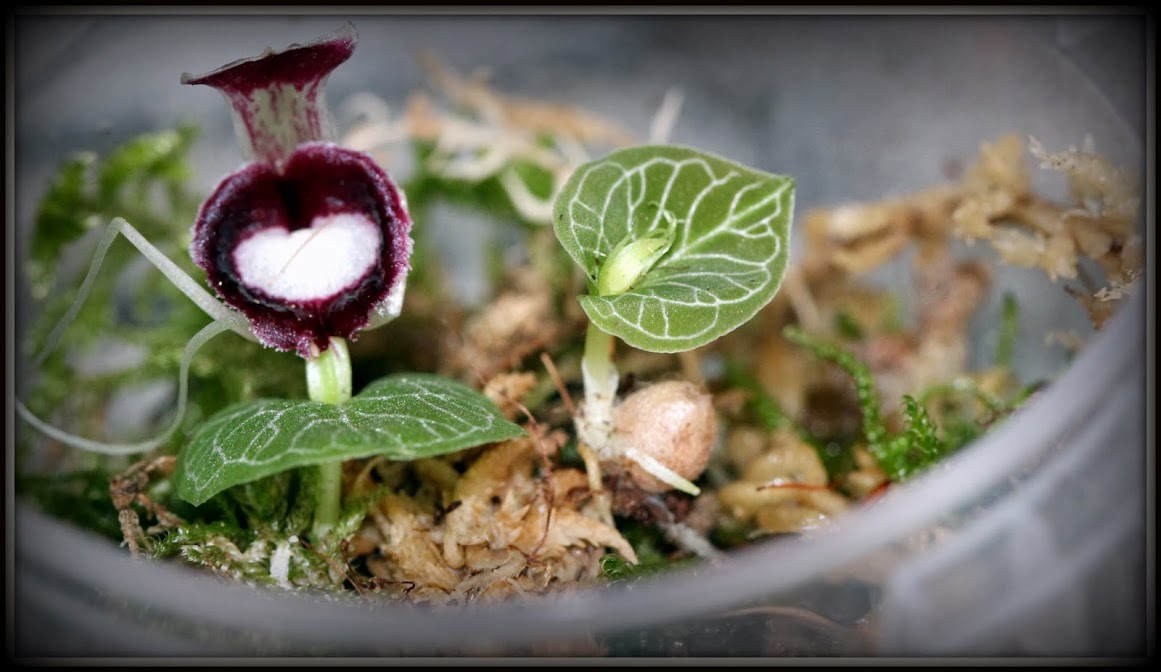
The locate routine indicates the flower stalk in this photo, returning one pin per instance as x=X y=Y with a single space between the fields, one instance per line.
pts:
x=328 y=379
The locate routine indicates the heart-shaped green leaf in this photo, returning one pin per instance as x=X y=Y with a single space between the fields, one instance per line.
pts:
x=405 y=417
x=729 y=253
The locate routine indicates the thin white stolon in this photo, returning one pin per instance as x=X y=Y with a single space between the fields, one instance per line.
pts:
x=224 y=318
x=209 y=331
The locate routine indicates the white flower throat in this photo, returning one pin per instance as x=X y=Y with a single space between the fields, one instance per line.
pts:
x=331 y=256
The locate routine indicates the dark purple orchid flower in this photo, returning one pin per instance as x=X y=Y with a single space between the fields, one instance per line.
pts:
x=309 y=240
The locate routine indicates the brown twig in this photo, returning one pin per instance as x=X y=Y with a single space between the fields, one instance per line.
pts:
x=128 y=488
x=553 y=373
x=333 y=565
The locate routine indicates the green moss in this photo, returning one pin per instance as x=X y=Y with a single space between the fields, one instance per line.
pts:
x=1009 y=331
x=847 y=327
x=654 y=554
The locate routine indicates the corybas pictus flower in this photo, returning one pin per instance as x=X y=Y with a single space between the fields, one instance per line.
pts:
x=310 y=241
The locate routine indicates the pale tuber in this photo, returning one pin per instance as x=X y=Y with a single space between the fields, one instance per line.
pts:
x=672 y=424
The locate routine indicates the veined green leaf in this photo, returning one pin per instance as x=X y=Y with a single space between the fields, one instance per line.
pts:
x=404 y=416
x=729 y=253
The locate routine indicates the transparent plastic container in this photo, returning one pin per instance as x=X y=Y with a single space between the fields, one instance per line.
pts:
x=1032 y=541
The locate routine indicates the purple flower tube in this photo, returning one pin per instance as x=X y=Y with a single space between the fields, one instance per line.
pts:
x=310 y=241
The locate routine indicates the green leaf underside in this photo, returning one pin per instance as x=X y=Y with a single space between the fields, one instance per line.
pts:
x=727 y=259
x=404 y=416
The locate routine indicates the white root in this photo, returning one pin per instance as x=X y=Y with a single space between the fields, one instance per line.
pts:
x=528 y=205
x=661 y=472
x=690 y=540
x=209 y=331
x=280 y=563
x=666 y=116
x=188 y=286
x=224 y=318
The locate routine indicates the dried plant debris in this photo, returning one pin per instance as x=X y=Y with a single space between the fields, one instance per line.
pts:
x=506 y=526
x=784 y=487
x=516 y=324
x=473 y=134
x=483 y=525
x=128 y=489
x=779 y=483
x=994 y=201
